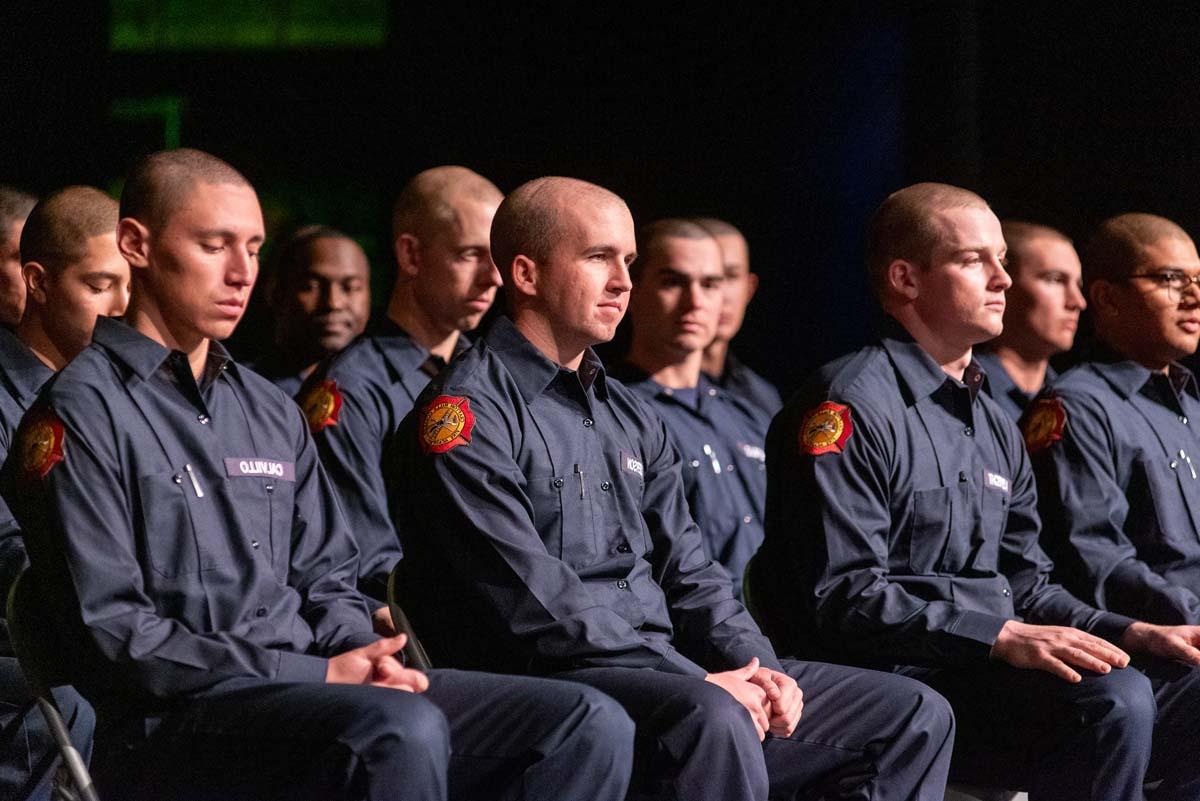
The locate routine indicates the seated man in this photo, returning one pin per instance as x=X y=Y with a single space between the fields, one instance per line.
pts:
x=1041 y=314
x=674 y=306
x=319 y=289
x=1112 y=444
x=546 y=530
x=724 y=368
x=355 y=401
x=177 y=513
x=902 y=532
x=15 y=206
x=73 y=273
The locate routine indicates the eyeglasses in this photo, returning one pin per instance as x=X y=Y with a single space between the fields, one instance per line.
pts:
x=1175 y=281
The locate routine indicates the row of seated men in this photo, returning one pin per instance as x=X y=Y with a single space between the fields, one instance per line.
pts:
x=221 y=554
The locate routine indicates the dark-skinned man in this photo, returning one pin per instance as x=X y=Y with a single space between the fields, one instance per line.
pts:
x=546 y=530
x=1113 y=447
x=319 y=289
x=179 y=514
x=902 y=533
x=1041 y=314
x=675 y=308
x=73 y=273
x=354 y=402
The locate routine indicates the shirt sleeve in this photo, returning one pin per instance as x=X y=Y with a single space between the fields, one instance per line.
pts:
x=12 y=548
x=1085 y=508
x=473 y=508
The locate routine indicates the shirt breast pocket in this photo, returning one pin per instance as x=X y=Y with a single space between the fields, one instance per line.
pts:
x=169 y=528
x=1156 y=497
x=564 y=520
x=929 y=529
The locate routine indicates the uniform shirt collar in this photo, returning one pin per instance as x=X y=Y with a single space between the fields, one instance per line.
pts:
x=630 y=374
x=404 y=353
x=23 y=371
x=141 y=354
x=919 y=374
x=1128 y=377
x=531 y=368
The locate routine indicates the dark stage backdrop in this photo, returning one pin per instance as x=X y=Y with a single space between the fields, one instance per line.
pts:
x=792 y=122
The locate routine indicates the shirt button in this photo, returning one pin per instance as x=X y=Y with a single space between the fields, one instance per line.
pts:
x=746 y=519
x=1183 y=419
x=254 y=544
x=711 y=392
x=260 y=611
x=970 y=432
x=588 y=422
x=558 y=482
x=622 y=584
x=604 y=485
x=178 y=479
x=270 y=487
x=1007 y=592
x=202 y=419
x=694 y=463
x=962 y=476
x=624 y=548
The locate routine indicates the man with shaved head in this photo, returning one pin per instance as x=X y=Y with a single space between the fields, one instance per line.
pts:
x=721 y=365
x=15 y=206
x=1115 y=443
x=179 y=518
x=73 y=274
x=355 y=401
x=1041 y=314
x=546 y=530
x=902 y=533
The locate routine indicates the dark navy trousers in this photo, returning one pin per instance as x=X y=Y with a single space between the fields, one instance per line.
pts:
x=471 y=736
x=863 y=735
x=1100 y=739
x=28 y=753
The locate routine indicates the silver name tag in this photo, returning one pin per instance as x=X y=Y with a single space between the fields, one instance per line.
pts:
x=251 y=467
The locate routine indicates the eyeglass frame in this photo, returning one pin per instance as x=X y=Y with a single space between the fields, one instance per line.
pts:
x=1163 y=276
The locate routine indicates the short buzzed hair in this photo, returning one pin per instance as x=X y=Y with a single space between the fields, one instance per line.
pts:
x=903 y=226
x=528 y=221
x=15 y=206
x=652 y=233
x=1017 y=236
x=1118 y=246
x=291 y=257
x=160 y=182
x=718 y=227
x=59 y=227
x=426 y=199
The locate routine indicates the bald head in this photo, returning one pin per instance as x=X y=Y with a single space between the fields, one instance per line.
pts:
x=906 y=226
x=431 y=198
x=1118 y=247
x=58 y=229
x=159 y=183
x=531 y=221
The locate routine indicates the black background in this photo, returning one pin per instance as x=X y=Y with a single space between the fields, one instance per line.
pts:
x=792 y=122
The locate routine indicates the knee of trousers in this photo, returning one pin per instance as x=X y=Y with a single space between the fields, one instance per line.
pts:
x=400 y=726
x=604 y=724
x=709 y=713
x=1123 y=698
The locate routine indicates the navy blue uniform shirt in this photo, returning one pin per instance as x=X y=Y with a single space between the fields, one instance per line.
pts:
x=191 y=521
x=546 y=526
x=278 y=367
x=758 y=395
x=724 y=465
x=21 y=376
x=999 y=384
x=915 y=539
x=1119 y=491
x=378 y=378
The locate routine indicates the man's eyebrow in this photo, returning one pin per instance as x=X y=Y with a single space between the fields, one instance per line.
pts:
x=224 y=233
x=102 y=274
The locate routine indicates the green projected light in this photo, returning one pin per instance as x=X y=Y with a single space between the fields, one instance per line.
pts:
x=173 y=25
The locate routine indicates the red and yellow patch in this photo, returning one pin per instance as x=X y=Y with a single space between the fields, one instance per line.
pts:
x=825 y=429
x=322 y=405
x=1043 y=423
x=446 y=424
x=42 y=442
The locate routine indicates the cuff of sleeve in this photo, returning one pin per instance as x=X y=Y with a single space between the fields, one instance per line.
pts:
x=301 y=668
x=1111 y=627
x=980 y=627
x=356 y=640
x=675 y=662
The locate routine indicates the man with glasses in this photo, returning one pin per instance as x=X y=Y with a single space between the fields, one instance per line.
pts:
x=1115 y=446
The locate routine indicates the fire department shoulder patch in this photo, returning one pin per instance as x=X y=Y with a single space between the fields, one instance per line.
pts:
x=825 y=429
x=446 y=424
x=42 y=441
x=321 y=405
x=1042 y=425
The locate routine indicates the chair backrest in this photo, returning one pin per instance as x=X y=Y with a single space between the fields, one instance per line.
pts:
x=414 y=652
x=35 y=651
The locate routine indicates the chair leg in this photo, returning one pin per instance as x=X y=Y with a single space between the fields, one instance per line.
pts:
x=72 y=760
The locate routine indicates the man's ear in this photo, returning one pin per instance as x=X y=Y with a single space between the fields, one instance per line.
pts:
x=751 y=286
x=902 y=280
x=524 y=276
x=34 y=275
x=133 y=240
x=1102 y=296
x=408 y=255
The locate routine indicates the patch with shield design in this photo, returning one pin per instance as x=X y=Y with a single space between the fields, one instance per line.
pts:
x=1043 y=424
x=826 y=429
x=321 y=405
x=446 y=424
x=42 y=443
